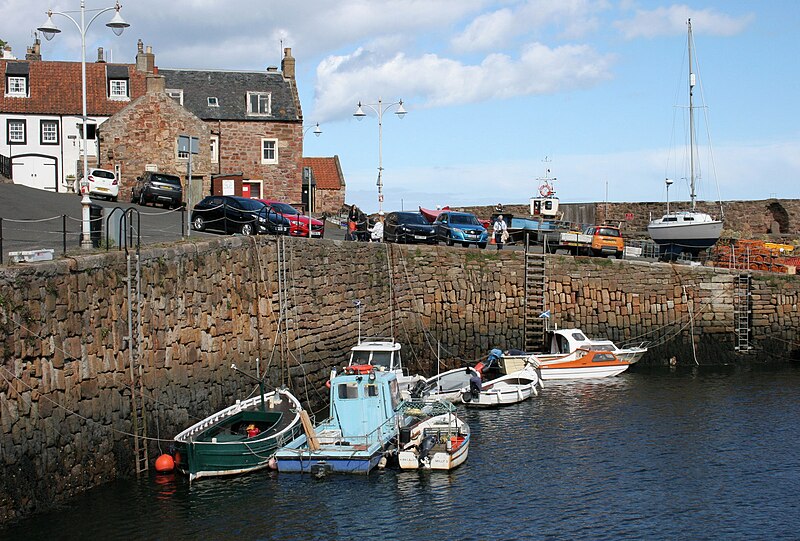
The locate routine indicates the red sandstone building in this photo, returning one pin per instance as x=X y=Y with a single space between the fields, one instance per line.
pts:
x=247 y=123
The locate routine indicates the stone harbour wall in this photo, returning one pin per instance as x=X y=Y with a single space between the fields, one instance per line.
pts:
x=66 y=378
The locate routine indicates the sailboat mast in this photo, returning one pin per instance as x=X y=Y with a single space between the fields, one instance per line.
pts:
x=691 y=118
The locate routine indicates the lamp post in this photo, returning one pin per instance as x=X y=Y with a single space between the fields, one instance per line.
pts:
x=379 y=108
x=49 y=29
x=317 y=132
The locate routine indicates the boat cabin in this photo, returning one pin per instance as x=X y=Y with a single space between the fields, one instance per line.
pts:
x=546 y=207
x=361 y=407
x=568 y=340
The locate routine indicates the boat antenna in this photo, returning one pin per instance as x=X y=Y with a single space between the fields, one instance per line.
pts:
x=691 y=119
x=259 y=379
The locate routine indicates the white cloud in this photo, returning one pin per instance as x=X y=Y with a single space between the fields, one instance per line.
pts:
x=667 y=21
x=434 y=81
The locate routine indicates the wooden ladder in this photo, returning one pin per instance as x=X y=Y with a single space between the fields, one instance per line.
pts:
x=535 y=288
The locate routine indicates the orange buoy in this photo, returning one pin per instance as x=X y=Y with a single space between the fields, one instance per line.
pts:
x=165 y=464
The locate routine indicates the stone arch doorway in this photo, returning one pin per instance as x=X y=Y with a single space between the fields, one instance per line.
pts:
x=777 y=219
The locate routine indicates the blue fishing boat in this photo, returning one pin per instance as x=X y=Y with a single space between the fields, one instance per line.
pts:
x=362 y=427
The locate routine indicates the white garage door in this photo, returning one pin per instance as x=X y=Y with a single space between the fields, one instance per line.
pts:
x=34 y=171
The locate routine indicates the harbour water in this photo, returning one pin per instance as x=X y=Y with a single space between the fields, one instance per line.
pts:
x=651 y=454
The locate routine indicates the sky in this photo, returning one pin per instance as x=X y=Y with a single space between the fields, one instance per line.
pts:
x=497 y=92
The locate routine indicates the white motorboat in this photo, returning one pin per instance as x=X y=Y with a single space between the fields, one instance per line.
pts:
x=440 y=442
x=571 y=340
x=445 y=386
x=505 y=390
x=687 y=231
x=384 y=355
x=579 y=364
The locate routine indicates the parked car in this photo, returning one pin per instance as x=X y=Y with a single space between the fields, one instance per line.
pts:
x=155 y=187
x=463 y=227
x=606 y=240
x=233 y=214
x=408 y=227
x=298 y=223
x=102 y=183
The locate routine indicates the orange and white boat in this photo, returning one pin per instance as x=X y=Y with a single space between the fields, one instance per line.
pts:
x=580 y=364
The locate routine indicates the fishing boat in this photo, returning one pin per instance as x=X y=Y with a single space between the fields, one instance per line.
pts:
x=439 y=441
x=240 y=438
x=689 y=231
x=361 y=429
x=505 y=390
x=382 y=354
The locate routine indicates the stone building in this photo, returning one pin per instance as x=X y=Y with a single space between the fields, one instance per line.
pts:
x=144 y=137
x=327 y=184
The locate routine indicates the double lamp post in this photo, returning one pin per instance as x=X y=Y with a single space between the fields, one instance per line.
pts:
x=379 y=108
x=49 y=29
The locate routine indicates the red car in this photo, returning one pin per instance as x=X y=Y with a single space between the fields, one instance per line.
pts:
x=298 y=224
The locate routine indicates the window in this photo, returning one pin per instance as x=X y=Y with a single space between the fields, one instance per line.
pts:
x=371 y=389
x=182 y=154
x=91 y=130
x=348 y=390
x=269 y=151
x=176 y=94
x=259 y=103
x=215 y=149
x=118 y=89
x=49 y=132
x=16 y=132
x=17 y=86
x=213 y=102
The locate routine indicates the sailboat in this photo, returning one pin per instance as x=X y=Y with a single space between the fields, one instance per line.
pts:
x=688 y=231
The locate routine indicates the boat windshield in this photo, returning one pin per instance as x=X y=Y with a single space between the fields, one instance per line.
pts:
x=382 y=358
x=360 y=357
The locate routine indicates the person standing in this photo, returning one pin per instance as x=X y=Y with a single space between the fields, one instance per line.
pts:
x=352 y=224
x=376 y=231
x=500 y=229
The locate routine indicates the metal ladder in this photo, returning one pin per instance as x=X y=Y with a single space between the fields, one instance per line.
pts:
x=742 y=311
x=535 y=287
x=134 y=342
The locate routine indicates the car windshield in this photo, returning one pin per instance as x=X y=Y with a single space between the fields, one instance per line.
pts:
x=284 y=208
x=464 y=219
x=411 y=218
x=101 y=173
x=168 y=179
x=251 y=204
x=608 y=232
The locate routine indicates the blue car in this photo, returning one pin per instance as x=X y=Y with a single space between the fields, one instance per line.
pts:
x=463 y=227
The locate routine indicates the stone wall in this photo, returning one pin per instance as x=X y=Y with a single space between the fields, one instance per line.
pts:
x=65 y=379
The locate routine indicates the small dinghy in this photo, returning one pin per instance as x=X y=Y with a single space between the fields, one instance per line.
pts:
x=439 y=442
x=505 y=390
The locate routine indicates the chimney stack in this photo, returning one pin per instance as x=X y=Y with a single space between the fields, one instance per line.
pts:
x=287 y=64
x=100 y=57
x=35 y=50
x=156 y=84
x=145 y=61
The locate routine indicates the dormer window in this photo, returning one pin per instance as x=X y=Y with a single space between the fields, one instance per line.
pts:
x=117 y=77
x=176 y=94
x=17 y=80
x=259 y=104
x=212 y=101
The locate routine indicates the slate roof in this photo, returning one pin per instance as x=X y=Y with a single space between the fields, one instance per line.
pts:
x=327 y=172
x=231 y=88
x=55 y=88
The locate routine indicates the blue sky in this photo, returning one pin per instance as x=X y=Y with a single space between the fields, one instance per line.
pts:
x=492 y=88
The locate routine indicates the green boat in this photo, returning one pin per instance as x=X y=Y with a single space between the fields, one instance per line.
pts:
x=240 y=438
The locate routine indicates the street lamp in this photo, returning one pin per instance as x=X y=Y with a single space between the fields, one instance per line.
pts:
x=379 y=109
x=49 y=29
x=317 y=132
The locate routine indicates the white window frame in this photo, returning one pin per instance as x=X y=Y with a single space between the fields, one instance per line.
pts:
x=17 y=86
x=214 y=144
x=181 y=155
x=19 y=140
x=52 y=129
x=266 y=149
x=264 y=101
x=118 y=89
x=213 y=101
x=176 y=94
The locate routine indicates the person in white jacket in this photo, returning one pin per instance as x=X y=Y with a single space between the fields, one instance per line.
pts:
x=500 y=229
x=376 y=231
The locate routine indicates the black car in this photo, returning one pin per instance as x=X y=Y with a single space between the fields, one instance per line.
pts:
x=233 y=214
x=408 y=227
x=158 y=188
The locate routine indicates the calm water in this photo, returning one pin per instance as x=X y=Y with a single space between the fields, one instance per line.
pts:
x=647 y=455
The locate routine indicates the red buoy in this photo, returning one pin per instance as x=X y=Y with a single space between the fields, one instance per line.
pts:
x=165 y=464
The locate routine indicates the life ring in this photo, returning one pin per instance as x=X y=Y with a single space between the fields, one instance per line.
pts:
x=359 y=369
x=545 y=190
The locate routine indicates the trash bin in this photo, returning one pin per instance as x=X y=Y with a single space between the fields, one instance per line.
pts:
x=95 y=224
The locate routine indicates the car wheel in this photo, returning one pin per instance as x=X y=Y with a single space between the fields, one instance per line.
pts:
x=465 y=244
x=482 y=245
x=449 y=241
x=113 y=199
x=619 y=255
x=199 y=223
x=141 y=199
x=247 y=229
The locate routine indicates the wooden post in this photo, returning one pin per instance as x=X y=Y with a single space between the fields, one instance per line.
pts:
x=308 y=428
